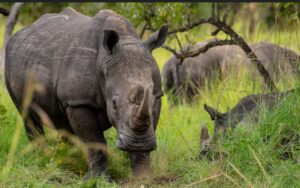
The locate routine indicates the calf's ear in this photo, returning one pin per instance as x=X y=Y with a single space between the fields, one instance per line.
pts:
x=157 y=39
x=214 y=114
x=110 y=40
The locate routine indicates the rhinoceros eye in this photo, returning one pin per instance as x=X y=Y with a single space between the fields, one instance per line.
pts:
x=114 y=104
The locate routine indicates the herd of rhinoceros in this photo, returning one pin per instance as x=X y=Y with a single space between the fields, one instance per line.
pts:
x=93 y=73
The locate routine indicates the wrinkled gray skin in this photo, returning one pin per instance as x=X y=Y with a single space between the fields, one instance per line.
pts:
x=277 y=60
x=218 y=62
x=246 y=111
x=95 y=73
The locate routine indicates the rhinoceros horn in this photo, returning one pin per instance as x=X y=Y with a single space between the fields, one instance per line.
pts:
x=142 y=117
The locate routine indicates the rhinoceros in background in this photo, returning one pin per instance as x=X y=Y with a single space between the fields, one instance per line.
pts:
x=186 y=79
x=219 y=62
x=246 y=111
x=280 y=62
x=94 y=73
x=198 y=73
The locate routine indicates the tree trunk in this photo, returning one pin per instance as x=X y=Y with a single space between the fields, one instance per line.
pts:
x=11 y=21
x=10 y=24
x=240 y=41
x=252 y=19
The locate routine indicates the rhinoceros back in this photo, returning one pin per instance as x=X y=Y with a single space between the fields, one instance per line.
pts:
x=40 y=51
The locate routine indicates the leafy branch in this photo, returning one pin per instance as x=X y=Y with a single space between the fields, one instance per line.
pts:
x=236 y=39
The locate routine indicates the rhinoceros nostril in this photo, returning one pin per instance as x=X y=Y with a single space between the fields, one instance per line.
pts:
x=115 y=104
x=141 y=125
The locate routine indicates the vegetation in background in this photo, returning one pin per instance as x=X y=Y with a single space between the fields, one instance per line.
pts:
x=267 y=155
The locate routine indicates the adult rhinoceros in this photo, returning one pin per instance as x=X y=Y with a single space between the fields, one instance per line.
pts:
x=280 y=62
x=199 y=72
x=95 y=73
x=196 y=73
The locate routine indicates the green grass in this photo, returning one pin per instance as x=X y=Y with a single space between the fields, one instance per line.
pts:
x=252 y=160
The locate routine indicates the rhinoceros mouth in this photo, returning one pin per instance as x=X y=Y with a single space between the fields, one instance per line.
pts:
x=135 y=143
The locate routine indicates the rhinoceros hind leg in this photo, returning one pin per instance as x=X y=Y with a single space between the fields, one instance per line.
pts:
x=33 y=125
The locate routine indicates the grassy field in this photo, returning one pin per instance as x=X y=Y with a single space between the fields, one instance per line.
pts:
x=253 y=157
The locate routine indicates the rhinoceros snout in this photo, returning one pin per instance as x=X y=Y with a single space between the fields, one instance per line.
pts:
x=136 y=143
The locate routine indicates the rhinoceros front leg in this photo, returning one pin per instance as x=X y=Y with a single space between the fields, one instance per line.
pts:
x=140 y=163
x=86 y=126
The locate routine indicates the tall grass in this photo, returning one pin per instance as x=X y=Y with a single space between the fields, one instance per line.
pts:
x=255 y=158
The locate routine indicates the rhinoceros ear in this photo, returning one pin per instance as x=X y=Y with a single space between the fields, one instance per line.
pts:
x=110 y=40
x=214 y=114
x=157 y=39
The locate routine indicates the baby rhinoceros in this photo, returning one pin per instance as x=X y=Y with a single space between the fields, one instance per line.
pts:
x=245 y=112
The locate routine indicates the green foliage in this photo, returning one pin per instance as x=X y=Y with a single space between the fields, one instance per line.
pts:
x=176 y=14
x=162 y=13
x=32 y=11
x=137 y=13
x=280 y=14
x=270 y=144
x=3 y=114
